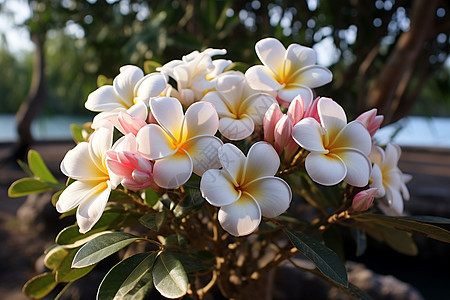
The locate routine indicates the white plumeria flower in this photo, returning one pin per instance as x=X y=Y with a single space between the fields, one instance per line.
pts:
x=194 y=74
x=86 y=164
x=338 y=151
x=128 y=88
x=389 y=179
x=240 y=108
x=245 y=188
x=180 y=144
x=289 y=72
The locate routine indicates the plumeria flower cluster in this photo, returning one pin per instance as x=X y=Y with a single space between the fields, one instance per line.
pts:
x=171 y=134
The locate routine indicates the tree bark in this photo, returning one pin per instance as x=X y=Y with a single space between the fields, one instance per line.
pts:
x=389 y=86
x=31 y=107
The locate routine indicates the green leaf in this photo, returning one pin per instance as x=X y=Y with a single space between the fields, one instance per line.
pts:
x=65 y=272
x=27 y=186
x=40 y=285
x=54 y=257
x=153 y=221
x=38 y=167
x=141 y=289
x=408 y=225
x=24 y=166
x=169 y=276
x=127 y=277
x=55 y=197
x=101 y=247
x=192 y=262
x=325 y=259
x=103 y=80
x=150 y=66
x=360 y=239
x=150 y=197
x=79 y=132
x=427 y=219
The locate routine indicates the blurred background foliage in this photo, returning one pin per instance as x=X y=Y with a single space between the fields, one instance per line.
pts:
x=379 y=56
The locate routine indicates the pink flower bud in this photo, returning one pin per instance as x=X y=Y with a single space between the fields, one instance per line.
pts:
x=126 y=123
x=296 y=109
x=312 y=111
x=283 y=133
x=371 y=121
x=271 y=118
x=363 y=200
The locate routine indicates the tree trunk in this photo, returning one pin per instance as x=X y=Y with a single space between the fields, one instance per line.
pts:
x=30 y=108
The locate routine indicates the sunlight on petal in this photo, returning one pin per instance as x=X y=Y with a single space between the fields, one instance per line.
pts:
x=262 y=160
x=272 y=53
x=358 y=167
x=168 y=112
x=325 y=169
x=233 y=161
x=105 y=99
x=217 y=189
x=201 y=119
x=204 y=153
x=259 y=78
x=173 y=171
x=309 y=135
x=154 y=143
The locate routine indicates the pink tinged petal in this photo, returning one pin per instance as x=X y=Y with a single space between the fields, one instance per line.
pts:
x=151 y=85
x=312 y=76
x=262 y=161
x=125 y=82
x=271 y=117
x=233 y=162
x=140 y=176
x=370 y=120
x=91 y=209
x=260 y=78
x=283 y=133
x=272 y=53
x=353 y=135
x=73 y=195
x=203 y=151
x=217 y=188
x=173 y=171
x=309 y=135
x=77 y=164
x=272 y=194
x=332 y=116
x=241 y=217
x=256 y=105
x=128 y=124
x=358 y=167
x=168 y=112
x=221 y=108
x=296 y=110
x=143 y=164
x=290 y=91
x=236 y=129
x=105 y=99
x=106 y=118
x=154 y=143
x=117 y=167
x=200 y=119
x=325 y=169
x=290 y=150
x=363 y=200
x=312 y=112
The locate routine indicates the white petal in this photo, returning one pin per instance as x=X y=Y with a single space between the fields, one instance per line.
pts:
x=298 y=57
x=377 y=181
x=125 y=82
x=168 y=112
x=377 y=155
x=231 y=86
x=260 y=78
x=99 y=143
x=139 y=111
x=289 y=92
x=392 y=155
x=233 y=162
x=309 y=135
x=325 y=169
x=126 y=143
x=78 y=165
x=173 y=171
x=73 y=195
x=106 y=118
x=215 y=99
x=236 y=129
x=256 y=106
x=312 y=76
x=332 y=116
x=353 y=135
x=358 y=167
x=272 y=53
x=217 y=189
x=272 y=194
x=200 y=119
x=154 y=143
x=262 y=160
x=91 y=209
x=241 y=217
x=396 y=202
x=105 y=98
x=203 y=151
x=149 y=86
